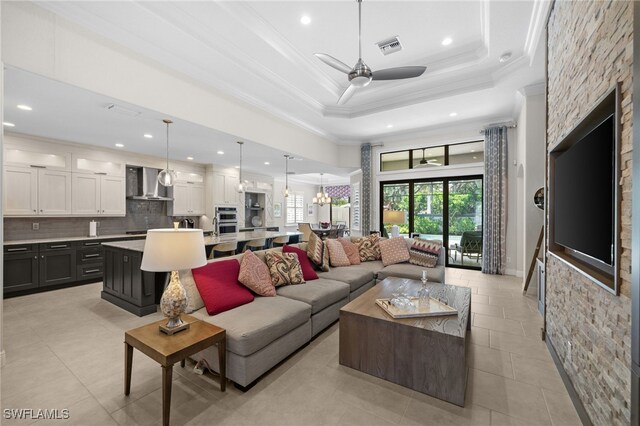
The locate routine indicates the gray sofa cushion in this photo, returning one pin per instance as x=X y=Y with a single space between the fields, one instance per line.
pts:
x=253 y=326
x=353 y=275
x=407 y=270
x=318 y=293
x=374 y=266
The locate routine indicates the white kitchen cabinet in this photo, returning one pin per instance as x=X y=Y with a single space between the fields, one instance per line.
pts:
x=54 y=193
x=31 y=191
x=85 y=194
x=225 y=189
x=188 y=200
x=20 y=191
x=112 y=196
x=98 y=195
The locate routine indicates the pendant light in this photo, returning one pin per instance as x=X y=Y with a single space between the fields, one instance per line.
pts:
x=321 y=197
x=286 y=175
x=241 y=183
x=167 y=176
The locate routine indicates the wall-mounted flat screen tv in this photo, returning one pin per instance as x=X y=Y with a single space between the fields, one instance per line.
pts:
x=584 y=194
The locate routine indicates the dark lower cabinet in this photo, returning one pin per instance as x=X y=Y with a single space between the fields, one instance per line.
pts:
x=21 y=270
x=126 y=286
x=57 y=264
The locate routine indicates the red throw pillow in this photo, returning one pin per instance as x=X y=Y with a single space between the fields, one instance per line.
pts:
x=308 y=272
x=219 y=287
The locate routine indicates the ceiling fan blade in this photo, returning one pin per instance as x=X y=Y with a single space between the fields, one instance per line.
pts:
x=347 y=94
x=333 y=62
x=398 y=73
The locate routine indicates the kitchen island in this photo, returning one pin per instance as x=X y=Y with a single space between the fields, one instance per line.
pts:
x=137 y=291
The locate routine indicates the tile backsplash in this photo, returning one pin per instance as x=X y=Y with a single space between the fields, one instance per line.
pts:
x=141 y=215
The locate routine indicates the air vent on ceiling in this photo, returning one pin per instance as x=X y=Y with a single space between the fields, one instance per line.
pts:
x=122 y=110
x=389 y=45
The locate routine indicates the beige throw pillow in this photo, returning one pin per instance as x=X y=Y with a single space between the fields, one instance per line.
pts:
x=255 y=275
x=284 y=268
x=394 y=250
x=337 y=255
x=194 y=301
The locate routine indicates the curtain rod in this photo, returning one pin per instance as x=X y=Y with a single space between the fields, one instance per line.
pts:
x=508 y=125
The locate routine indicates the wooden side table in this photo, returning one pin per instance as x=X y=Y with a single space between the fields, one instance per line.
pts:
x=167 y=350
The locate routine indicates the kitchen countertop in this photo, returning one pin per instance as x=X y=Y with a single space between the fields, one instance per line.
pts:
x=55 y=240
x=138 y=245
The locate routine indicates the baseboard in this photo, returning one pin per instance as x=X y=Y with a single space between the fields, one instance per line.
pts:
x=3 y=358
x=514 y=273
x=575 y=399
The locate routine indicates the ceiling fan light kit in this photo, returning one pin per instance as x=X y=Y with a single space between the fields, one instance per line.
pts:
x=361 y=75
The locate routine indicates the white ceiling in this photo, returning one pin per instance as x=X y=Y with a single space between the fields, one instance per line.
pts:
x=260 y=53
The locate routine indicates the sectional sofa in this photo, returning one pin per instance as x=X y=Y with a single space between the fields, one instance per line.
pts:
x=262 y=333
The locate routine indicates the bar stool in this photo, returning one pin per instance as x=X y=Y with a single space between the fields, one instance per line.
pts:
x=280 y=241
x=257 y=244
x=228 y=248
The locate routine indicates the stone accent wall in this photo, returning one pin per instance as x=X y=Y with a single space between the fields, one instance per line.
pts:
x=589 y=51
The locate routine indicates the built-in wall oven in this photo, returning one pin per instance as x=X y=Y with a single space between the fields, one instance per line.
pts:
x=226 y=220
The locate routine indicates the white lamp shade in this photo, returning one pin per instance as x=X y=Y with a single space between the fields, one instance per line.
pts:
x=173 y=249
x=394 y=217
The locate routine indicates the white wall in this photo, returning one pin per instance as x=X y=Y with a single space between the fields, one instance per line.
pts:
x=2 y=353
x=58 y=49
x=533 y=162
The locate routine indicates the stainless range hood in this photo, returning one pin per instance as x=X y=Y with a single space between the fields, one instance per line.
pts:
x=142 y=184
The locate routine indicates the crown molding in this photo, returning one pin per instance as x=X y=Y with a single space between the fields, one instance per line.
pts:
x=533 y=89
x=537 y=24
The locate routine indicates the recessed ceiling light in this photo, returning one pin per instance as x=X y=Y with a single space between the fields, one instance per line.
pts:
x=220 y=152
x=475 y=158
x=237 y=167
x=148 y=136
x=190 y=158
x=389 y=126
x=453 y=114
x=266 y=163
x=24 y=107
x=447 y=41
x=473 y=150
x=305 y=20
x=505 y=57
x=119 y=145
x=7 y=124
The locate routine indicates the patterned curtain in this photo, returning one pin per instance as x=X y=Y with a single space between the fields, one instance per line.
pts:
x=494 y=223
x=340 y=191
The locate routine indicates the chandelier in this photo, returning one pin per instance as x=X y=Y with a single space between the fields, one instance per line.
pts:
x=321 y=197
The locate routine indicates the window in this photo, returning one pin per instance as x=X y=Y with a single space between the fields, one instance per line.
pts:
x=295 y=208
x=437 y=156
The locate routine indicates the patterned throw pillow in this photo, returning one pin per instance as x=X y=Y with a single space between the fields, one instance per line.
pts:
x=425 y=252
x=337 y=256
x=369 y=248
x=255 y=275
x=394 y=250
x=284 y=268
x=351 y=251
x=194 y=301
x=318 y=253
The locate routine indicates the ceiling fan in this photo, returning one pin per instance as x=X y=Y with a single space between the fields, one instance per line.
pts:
x=361 y=75
x=431 y=162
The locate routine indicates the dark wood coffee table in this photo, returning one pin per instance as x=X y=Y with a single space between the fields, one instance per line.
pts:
x=167 y=350
x=427 y=354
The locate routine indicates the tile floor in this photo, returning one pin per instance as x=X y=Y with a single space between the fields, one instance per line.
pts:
x=65 y=350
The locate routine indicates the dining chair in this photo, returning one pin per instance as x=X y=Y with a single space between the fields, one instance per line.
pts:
x=228 y=249
x=280 y=241
x=306 y=230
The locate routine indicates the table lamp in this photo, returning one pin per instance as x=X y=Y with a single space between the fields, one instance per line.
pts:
x=170 y=250
x=395 y=218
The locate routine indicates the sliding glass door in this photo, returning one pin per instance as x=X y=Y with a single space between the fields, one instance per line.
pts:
x=465 y=222
x=445 y=209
